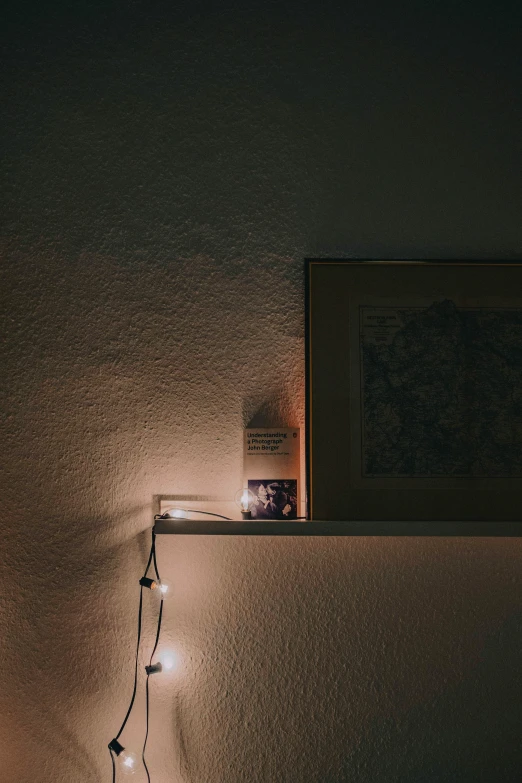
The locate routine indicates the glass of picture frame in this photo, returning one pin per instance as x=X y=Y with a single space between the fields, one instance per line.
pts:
x=414 y=390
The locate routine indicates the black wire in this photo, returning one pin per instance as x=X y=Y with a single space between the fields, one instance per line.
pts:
x=156 y=642
x=193 y=511
x=157 y=632
x=113 y=767
x=153 y=555
x=140 y=613
x=146 y=728
x=160 y=615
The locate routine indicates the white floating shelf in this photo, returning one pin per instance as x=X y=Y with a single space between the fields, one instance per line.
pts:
x=312 y=528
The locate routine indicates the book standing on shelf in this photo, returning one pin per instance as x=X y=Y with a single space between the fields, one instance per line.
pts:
x=271 y=471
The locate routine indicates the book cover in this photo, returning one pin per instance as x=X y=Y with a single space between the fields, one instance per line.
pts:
x=271 y=471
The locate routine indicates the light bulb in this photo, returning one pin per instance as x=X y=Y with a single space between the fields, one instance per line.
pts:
x=244 y=500
x=164 y=589
x=127 y=762
x=168 y=660
x=177 y=513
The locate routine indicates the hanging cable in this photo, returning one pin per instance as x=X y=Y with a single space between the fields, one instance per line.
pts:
x=113 y=766
x=150 y=669
x=166 y=514
x=115 y=748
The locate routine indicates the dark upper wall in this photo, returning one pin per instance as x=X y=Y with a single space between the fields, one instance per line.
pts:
x=236 y=130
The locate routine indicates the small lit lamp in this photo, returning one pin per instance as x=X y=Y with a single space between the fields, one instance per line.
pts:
x=244 y=500
x=164 y=589
x=166 y=663
x=127 y=762
x=168 y=660
x=176 y=513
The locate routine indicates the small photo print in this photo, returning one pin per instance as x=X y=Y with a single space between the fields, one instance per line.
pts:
x=274 y=498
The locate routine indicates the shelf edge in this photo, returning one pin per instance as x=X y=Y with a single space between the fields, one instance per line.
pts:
x=439 y=529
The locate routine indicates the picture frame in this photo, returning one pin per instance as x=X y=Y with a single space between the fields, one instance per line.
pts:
x=414 y=390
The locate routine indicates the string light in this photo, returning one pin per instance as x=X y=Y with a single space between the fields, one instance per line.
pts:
x=122 y=759
x=165 y=589
x=127 y=762
x=168 y=660
x=179 y=513
x=245 y=499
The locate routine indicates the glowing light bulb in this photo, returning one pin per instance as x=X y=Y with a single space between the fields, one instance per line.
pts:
x=168 y=660
x=127 y=762
x=244 y=500
x=177 y=513
x=164 y=589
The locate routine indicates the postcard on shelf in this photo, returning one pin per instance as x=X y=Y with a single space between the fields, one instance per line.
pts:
x=271 y=468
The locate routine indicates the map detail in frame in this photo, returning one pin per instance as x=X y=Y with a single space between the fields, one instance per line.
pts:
x=441 y=391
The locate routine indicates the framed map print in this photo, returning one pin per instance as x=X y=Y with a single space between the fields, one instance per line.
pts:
x=414 y=390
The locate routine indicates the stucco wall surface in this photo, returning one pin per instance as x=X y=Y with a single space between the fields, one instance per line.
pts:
x=165 y=170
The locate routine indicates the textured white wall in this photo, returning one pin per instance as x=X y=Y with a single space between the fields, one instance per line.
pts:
x=163 y=178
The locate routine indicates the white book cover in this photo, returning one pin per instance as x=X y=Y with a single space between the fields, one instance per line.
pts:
x=272 y=471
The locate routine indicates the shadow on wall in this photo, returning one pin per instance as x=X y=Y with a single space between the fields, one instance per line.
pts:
x=459 y=736
x=272 y=412
x=67 y=616
x=451 y=739
x=181 y=743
